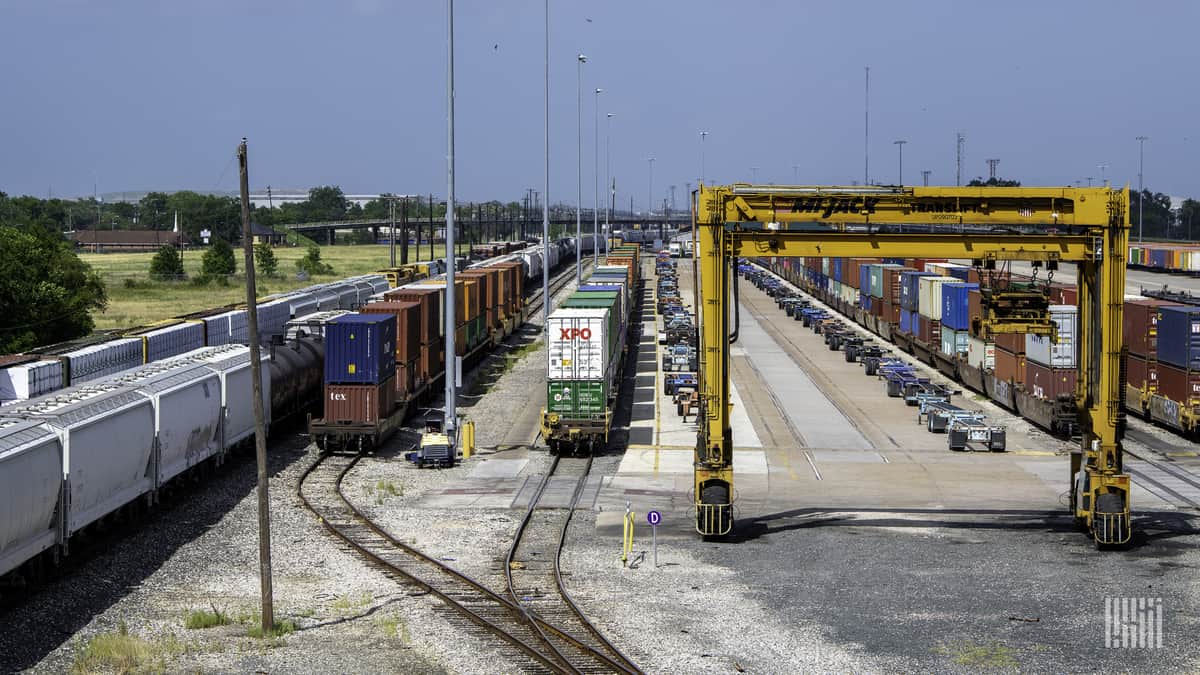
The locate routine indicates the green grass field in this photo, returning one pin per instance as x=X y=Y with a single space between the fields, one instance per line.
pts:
x=134 y=300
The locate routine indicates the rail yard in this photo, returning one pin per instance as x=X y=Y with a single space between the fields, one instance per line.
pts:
x=618 y=352
x=516 y=551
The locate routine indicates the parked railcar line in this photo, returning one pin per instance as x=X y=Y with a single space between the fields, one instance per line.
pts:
x=320 y=490
x=534 y=560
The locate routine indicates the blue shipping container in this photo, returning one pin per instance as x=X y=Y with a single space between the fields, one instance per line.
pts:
x=864 y=279
x=960 y=272
x=906 y=321
x=1179 y=336
x=836 y=264
x=893 y=261
x=910 y=289
x=955 y=313
x=360 y=349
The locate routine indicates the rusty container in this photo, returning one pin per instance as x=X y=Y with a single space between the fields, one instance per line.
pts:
x=359 y=403
x=1009 y=367
x=1049 y=383
x=1179 y=384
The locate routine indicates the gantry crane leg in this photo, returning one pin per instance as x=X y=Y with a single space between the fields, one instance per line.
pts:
x=714 y=442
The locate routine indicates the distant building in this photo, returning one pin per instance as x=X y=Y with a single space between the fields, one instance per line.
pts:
x=281 y=197
x=262 y=233
x=114 y=241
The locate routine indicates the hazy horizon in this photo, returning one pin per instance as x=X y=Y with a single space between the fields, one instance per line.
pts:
x=147 y=96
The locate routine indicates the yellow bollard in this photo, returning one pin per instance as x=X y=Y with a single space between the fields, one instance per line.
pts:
x=468 y=439
x=627 y=539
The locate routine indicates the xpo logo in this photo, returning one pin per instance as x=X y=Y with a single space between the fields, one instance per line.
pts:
x=572 y=333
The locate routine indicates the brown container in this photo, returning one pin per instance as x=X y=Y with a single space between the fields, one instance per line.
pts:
x=1179 y=385
x=923 y=328
x=1014 y=343
x=974 y=310
x=1139 y=325
x=1009 y=366
x=1049 y=383
x=410 y=370
x=891 y=284
x=891 y=313
x=1063 y=294
x=1141 y=373
x=359 y=403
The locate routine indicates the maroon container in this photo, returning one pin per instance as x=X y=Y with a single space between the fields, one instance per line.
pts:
x=1139 y=325
x=1140 y=373
x=410 y=374
x=1179 y=385
x=359 y=403
x=1049 y=383
x=974 y=310
x=1063 y=294
x=1009 y=366
x=1013 y=343
x=431 y=330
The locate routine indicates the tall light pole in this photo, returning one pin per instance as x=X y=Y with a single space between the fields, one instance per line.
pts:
x=1141 y=147
x=1103 y=168
x=545 y=190
x=703 y=135
x=607 y=173
x=449 y=422
x=925 y=177
x=900 y=144
x=867 y=127
x=596 y=178
x=650 y=193
x=579 y=61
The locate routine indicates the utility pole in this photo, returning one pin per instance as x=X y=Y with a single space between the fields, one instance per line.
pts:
x=579 y=61
x=867 y=129
x=403 y=231
x=260 y=427
x=900 y=145
x=992 y=168
x=596 y=179
x=450 y=421
x=1141 y=190
x=546 y=188
x=925 y=177
x=392 y=238
x=650 y=192
x=959 y=141
x=431 y=233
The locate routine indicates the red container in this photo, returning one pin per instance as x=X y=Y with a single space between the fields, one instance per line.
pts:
x=1014 y=343
x=1063 y=294
x=1049 y=383
x=1140 y=373
x=410 y=373
x=359 y=403
x=974 y=309
x=1009 y=366
x=1179 y=385
x=1139 y=325
x=891 y=285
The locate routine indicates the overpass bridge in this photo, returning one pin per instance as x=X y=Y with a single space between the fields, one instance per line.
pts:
x=490 y=229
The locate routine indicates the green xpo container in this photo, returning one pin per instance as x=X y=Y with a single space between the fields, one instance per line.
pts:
x=574 y=399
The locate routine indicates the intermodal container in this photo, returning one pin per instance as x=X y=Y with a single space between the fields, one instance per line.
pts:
x=360 y=349
x=1181 y=385
x=981 y=354
x=906 y=321
x=954 y=342
x=1141 y=373
x=1179 y=336
x=974 y=310
x=410 y=372
x=1140 y=325
x=577 y=398
x=1049 y=383
x=359 y=403
x=1010 y=367
x=929 y=301
x=1013 y=343
x=910 y=291
x=956 y=305
x=1062 y=351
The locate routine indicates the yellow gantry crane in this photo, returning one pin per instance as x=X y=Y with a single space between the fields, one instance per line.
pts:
x=1087 y=226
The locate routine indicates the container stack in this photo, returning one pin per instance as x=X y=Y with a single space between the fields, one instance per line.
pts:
x=956 y=318
x=360 y=367
x=1052 y=364
x=1178 y=352
x=929 y=310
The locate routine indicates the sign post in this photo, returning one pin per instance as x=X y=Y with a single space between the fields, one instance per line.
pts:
x=654 y=518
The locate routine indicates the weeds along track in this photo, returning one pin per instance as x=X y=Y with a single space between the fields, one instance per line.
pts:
x=520 y=635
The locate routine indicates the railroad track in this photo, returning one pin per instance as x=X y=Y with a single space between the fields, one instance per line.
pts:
x=557 y=282
x=476 y=607
x=1162 y=477
x=535 y=583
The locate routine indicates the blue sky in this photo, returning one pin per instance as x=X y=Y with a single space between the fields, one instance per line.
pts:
x=156 y=95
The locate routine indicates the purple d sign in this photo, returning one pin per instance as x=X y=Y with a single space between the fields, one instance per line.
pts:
x=654 y=518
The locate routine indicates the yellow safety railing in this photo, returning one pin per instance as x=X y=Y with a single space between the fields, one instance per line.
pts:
x=627 y=538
